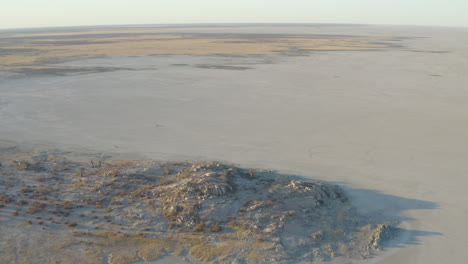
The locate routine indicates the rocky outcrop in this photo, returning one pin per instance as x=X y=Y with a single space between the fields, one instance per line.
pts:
x=205 y=211
x=378 y=235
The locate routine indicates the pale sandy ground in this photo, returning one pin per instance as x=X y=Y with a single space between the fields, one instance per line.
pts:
x=391 y=126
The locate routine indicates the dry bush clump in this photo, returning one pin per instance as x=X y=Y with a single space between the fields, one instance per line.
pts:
x=216 y=228
x=21 y=202
x=199 y=228
x=36 y=207
x=4 y=200
x=67 y=205
x=167 y=170
x=22 y=165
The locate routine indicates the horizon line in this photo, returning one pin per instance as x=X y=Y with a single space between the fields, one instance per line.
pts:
x=233 y=24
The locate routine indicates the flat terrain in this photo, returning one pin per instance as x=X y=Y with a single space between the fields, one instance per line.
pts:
x=382 y=111
x=23 y=51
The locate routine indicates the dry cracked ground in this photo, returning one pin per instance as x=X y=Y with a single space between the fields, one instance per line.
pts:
x=55 y=209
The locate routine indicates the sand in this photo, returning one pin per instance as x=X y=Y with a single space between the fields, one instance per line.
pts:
x=389 y=126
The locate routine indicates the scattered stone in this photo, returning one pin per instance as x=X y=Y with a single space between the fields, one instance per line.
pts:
x=22 y=165
x=317 y=237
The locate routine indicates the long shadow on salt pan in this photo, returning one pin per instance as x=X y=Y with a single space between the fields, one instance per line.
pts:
x=378 y=208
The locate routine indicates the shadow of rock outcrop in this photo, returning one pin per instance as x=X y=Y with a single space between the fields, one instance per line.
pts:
x=135 y=210
x=380 y=208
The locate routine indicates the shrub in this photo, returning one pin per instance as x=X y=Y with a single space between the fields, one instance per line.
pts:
x=36 y=207
x=199 y=228
x=5 y=199
x=22 y=165
x=67 y=205
x=167 y=170
x=216 y=228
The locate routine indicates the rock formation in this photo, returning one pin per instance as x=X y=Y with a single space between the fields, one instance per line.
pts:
x=124 y=211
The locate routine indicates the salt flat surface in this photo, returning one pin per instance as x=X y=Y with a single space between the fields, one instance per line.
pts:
x=390 y=126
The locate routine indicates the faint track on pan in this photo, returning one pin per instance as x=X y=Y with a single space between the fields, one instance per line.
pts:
x=3 y=104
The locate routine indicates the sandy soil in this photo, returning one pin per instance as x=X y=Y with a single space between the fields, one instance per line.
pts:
x=390 y=126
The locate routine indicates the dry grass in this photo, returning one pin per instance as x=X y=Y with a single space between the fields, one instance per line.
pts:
x=165 y=181
x=204 y=252
x=125 y=248
x=240 y=226
x=253 y=250
x=144 y=43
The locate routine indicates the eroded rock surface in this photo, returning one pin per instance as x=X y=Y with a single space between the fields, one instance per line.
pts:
x=56 y=209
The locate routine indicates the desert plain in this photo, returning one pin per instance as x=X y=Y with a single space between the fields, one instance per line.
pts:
x=381 y=111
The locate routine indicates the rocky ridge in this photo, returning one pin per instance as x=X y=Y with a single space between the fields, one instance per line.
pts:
x=130 y=211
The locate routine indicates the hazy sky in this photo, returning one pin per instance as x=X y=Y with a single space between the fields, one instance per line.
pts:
x=39 y=13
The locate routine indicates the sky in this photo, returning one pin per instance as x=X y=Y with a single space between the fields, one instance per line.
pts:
x=53 y=13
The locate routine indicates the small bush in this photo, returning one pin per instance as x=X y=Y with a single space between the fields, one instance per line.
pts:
x=36 y=207
x=216 y=228
x=246 y=203
x=199 y=228
x=26 y=190
x=251 y=174
x=21 y=202
x=67 y=205
x=5 y=199
x=22 y=165
x=167 y=170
